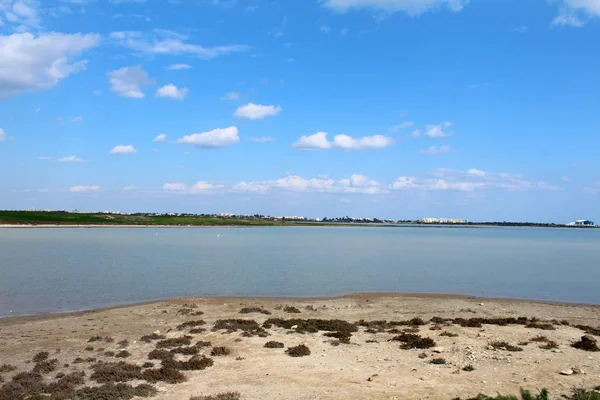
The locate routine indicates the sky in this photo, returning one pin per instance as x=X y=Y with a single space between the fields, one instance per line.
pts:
x=486 y=110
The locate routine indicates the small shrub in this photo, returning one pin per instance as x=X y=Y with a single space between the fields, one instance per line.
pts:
x=423 y=355
x=174 y=342
x=162 y=355
x=435 y=328
x=220 y=396
x=274 y=345
x=586 y=343
x=248 y=310
x=291 y=310
x=123 y=354
x=190 y=324
x=147 y=365
x=449 y=334
x=502 y=345
x=109 y=354
x=45 y=367
x=312 y=325
x=120 y=391
x=589 y=330
x=196 y=363
x=186 y=351
x=468 y=368
x=220 y=351
x=78 y=360
x=437 y=320
x=115 y=372
x=412 y=341
x=41 y=356
x=123 y=343
x=539 y=339
x=298 y=351
x=248 y=327
x=549 y=345
x=438 y=361
x=163 y=374
x=541 y=325
x=200 y=344
x=150 y=338
x=197 y=330
x=105 y=339
x=7 y=368
x=89 y=348
x=372 y=341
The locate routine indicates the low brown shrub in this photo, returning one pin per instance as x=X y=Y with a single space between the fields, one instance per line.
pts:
x=220 y=396
x=220 y=351
x=41 y=356
x=502 y=345
x=174 y=342
x=586 y=343
x=274 y=345
x=190 y=324
x=291 y=310
x=412 y=341
x=163 y=374
x=298 y=351
x=150 y=338
x=45 y=367
x=123 y=354
x=249 y=310
x=115 y=372
x=120 y=391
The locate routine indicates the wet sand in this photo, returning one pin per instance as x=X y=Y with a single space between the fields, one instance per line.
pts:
x=369 y=367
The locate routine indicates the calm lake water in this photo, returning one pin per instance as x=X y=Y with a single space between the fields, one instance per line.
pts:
x=47 y=269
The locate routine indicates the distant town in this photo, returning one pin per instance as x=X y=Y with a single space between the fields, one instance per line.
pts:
x=118 y=217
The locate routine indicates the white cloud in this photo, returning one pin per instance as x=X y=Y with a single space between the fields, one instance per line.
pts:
x=432 y=150
x=21 y=14
x=325 y=28
x=32 y=63
x=471 y=180
x=130 y=188
x=96 y=92
x=232 y=96
x=71 y=159
x=263 y=139
x=45 y=158
x=576 y=13
x=436 y=131
x=127 y=80
x=256 y=111
x=594 y=188
x=410 y=7
x=566 y=179
x=174 y=187
x=122 y=150
x=2 y=135
x=171 y=91
x=76 y=120
x=404 y=125
x=177 y=67
x=212 y=139
x=165 y=42
x=160 y=138
x=346 y=142
x=294 y=183
x=319 y=141
x=312 y=142
x=83 y=189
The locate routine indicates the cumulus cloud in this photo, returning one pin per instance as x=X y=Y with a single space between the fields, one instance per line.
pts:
x=71 y=159
x=2 y=135
x=177 y=67
x=256 y=111
x=294 y=183
x=313 y=142
x=171 y=91
x=319 y=141
x=126 y=81
x=84 y=189
x=197 y=188
x=212 y=139
x=432 y=150
x=434 y=131
x=160 y=138
x=468 y=181
x=122 y=150
x=31 y=63
x=410 y=7
x=165 y=42
x=263 y=139
x=130 y=188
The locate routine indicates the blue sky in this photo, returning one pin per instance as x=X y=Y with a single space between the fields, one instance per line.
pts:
x=486 y=110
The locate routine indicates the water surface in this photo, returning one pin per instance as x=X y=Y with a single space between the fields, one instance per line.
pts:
x=60 y=269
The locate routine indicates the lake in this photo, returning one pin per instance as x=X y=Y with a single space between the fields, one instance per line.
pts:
x=61 y=269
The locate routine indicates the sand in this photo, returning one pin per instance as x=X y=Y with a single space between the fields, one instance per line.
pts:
x=378 y=369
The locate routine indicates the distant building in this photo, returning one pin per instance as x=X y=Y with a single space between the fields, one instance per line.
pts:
x=581 y=222
x=441 y=221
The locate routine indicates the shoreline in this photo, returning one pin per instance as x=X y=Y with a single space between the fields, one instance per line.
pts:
x=463 y=357
x=47 y=315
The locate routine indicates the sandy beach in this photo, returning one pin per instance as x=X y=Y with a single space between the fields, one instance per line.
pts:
x=377 y=362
